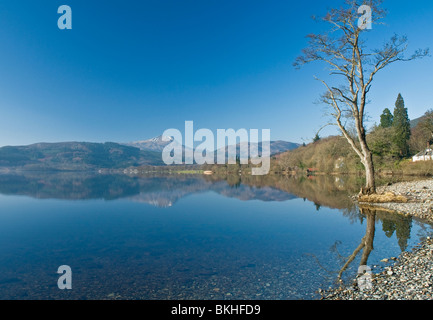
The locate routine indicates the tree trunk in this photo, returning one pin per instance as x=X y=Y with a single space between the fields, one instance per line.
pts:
x=370 y=181
x=367 y=161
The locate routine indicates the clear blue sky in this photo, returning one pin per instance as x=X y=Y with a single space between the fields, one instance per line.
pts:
x=128 y=70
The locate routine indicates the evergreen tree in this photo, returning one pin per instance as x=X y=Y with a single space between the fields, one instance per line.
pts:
x=401 y=125
x=386 y=119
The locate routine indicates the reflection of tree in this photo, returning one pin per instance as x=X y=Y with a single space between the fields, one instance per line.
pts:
x=234 y=180
x=323 y=191
x=366 y=242
x=388 y=227
x=390 y=223
x=401 y=226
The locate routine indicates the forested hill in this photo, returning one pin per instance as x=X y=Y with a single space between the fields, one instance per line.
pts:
x=76 y=156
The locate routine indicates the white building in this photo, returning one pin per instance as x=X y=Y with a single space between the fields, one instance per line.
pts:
x=425 y=155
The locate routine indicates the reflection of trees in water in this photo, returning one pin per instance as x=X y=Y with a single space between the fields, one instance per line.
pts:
x=234 y=180
x=335 y=192
x=424 y=230
x=366 y=243
x=392 y=224
x=400 y=225
x=324 y=191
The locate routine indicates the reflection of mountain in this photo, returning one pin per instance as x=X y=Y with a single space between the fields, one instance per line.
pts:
x=157 y=191
x=244 y=192
x=68 y=185
x=165 y=191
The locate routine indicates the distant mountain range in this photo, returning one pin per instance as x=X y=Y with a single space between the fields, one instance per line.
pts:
x=414 y=122
x=158 y=144
x=67 y=156
x=243 y=149
x=76 y=156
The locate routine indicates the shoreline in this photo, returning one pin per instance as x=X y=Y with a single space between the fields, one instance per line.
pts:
x=420 y=199
x=410 y=277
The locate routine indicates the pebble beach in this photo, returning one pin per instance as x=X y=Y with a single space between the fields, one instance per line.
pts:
x=410 y=276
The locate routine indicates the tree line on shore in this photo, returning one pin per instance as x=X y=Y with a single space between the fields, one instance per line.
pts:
x=395 y=137
x=393 y=141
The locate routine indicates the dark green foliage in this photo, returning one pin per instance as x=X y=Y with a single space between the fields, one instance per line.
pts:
x=16 y=156
x=401 y=125
x=390 y=140
x=380 y=142
x=386 y=119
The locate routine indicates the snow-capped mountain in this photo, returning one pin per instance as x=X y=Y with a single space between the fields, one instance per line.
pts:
x=153 y=144
x=158 y=144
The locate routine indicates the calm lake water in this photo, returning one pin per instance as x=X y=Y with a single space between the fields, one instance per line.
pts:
x=185 y=237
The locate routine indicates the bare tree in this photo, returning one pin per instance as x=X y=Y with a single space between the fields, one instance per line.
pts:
x=426 y=125
x=422 y=134
x=343 y=49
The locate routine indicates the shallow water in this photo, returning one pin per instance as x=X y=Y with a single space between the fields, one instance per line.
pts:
x=183 y=238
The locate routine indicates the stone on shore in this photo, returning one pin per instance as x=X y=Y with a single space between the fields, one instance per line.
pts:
x=410 y=277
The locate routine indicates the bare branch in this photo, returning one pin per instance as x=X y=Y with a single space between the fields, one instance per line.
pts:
x=343 y=49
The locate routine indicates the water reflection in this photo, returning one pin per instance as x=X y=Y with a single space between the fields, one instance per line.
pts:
x=392 y=223
x=161 y=191
x=166 y=190
x=273 y=239
x=366 y=244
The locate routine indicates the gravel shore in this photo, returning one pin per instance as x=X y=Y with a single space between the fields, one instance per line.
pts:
x=410 y=277
x=419 y=194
